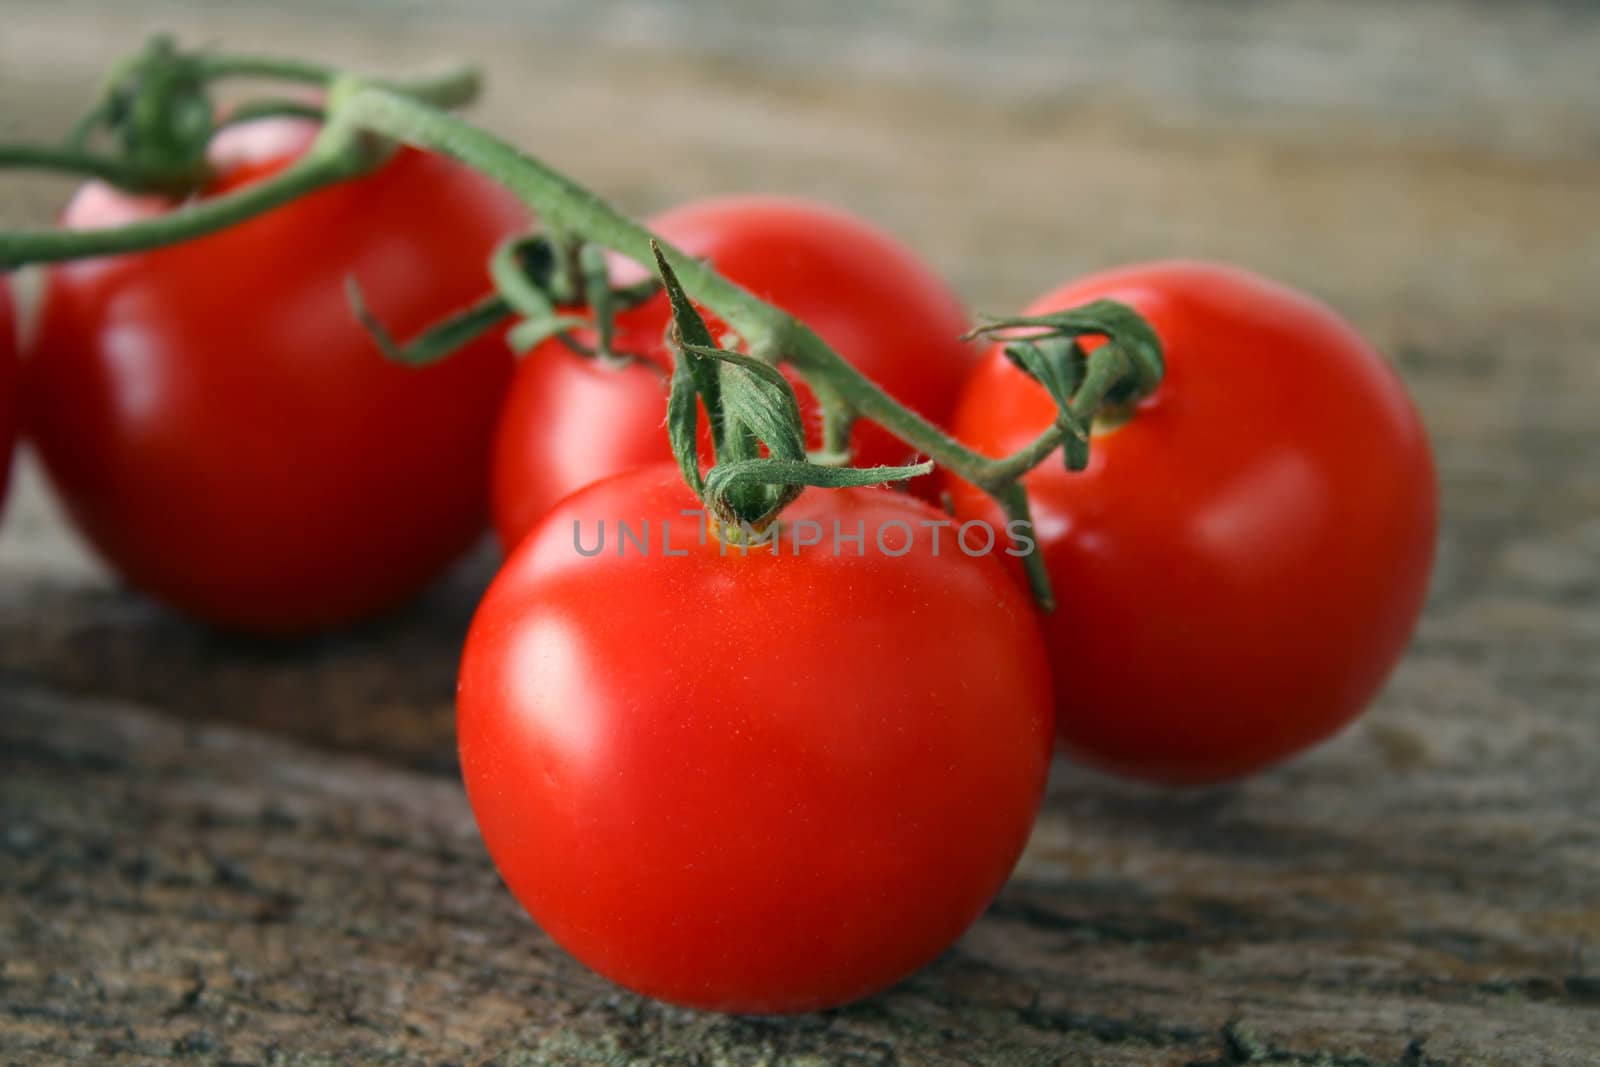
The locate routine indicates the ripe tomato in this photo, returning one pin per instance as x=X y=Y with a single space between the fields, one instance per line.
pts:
x=569 y=421
x=1243 y=561
x=225 y=432
x=8 y=387
x=752 y=783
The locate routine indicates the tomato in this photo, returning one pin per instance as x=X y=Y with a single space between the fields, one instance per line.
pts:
x=8 y=387
x=1242 y=563
x=569 y=421
x=752 y=783
x=222 y=428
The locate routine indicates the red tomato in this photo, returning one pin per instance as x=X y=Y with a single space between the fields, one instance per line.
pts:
x=758 y=783
x=569 y=421
x=224 y=431
x=8 y=387
x=1243 y=562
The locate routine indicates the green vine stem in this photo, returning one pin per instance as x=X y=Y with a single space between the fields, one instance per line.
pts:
x=66 y=159
x=363 y=117
x=770 y=333
x=252 y=110
x=323 y=164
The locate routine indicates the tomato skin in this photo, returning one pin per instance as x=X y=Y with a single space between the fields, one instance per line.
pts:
x=752 y=784
x=568 y=422
x=1243 y=562
x=8 y=388
x=223 y=430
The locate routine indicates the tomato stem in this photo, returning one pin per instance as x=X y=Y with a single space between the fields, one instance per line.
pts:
x=568 y=207
x=363 y=118
x=1013 y=501
x=311 y=172
x=68 y=160
x=837 y=421
x=771 y=333
x=444 y=336
x=252 y=110
x=562 y=205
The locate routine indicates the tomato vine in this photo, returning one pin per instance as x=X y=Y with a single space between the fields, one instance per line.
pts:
x=364 y=118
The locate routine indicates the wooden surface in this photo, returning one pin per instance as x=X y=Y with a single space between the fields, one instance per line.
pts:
x=220 y=851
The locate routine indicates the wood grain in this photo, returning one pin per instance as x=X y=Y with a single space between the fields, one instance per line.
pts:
x=216 y=850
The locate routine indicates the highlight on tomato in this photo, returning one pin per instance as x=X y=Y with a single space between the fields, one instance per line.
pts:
x=768 y=780
x=221 y=427
x=570 y=420
x=1243 y=561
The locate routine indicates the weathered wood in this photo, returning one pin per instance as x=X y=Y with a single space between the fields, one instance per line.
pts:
x=180 y=884
x=174 y=890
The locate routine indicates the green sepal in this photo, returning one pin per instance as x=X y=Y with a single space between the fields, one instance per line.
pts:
x=688 y=332
x=1126 y=368
x=758 y=409
x=1054 y=362
x=796 y=474
x=757 y=396
x=1059 y=364
x=683 y=424
x=520 y=268
x=1118 y=323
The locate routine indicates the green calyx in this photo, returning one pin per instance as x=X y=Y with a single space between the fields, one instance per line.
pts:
x=760 y=463
x=162 y=116
x=542 y=277
x=1105 y=383
x=149 y=131
x=155 y=119
x=539 y=286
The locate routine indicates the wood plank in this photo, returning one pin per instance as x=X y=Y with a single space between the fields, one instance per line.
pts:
x=174 y=891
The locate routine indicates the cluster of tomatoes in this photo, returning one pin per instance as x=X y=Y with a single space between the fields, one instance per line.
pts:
x=742 y=780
